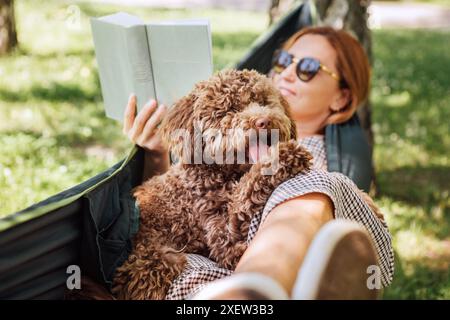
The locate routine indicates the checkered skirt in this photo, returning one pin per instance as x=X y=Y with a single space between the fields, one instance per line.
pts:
x=348 y=205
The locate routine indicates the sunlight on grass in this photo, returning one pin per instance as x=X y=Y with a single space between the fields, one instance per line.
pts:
x=422 y=249
x=414 y=245
x=411 y=99
x=398 y=100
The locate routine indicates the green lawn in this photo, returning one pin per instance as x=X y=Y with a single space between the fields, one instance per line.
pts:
x=411 y=112
x=445 y=3
x=53 y=133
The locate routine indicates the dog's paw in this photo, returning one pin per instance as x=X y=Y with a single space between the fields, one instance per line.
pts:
x=289 y=157
x=293 y=155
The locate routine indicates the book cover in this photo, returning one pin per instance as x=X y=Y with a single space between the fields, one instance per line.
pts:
x=160 y=60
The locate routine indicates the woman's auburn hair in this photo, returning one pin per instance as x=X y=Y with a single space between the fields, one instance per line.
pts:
x=352 y=65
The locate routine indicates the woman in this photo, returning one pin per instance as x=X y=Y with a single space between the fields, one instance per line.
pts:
x=324 y=75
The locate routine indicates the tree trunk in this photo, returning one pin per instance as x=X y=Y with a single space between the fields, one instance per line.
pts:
x=8 y=36
x=273 y=11
x=278 y=8
x=352 y=16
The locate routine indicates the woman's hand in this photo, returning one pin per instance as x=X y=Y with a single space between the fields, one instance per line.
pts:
x=142 y=129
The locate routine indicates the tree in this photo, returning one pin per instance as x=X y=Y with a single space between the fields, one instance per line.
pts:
x=8 y=35
x=278 y=8
x=352 y=16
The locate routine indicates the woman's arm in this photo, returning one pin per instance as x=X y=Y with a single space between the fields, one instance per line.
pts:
x=143 y=131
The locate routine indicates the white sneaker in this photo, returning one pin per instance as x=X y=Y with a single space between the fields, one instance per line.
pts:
x=251 y=286
x=336 y=264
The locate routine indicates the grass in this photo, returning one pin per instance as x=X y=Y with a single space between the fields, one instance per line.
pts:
x=411 y=105
x=53 y=133
x=445 y=3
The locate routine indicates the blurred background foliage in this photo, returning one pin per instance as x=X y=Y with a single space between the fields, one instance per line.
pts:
x=54 y=135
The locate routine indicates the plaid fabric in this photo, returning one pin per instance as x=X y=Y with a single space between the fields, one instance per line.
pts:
x=316 y=146
x=348 y=204
x=198 y=273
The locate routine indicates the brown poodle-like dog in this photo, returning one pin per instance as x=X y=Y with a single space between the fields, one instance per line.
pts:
x=206 y=208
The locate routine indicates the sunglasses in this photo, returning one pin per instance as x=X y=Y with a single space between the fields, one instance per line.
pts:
x=306 y=68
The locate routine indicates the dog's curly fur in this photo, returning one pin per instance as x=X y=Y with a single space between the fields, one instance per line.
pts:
x=207 y=208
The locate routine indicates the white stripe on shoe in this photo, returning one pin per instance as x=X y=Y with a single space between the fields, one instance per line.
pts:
x=335 y=266
x=263 y=285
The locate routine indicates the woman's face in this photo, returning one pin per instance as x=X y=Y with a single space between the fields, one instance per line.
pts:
x=315 y=99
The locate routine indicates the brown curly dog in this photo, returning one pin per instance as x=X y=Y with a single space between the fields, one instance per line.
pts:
x=205 y=207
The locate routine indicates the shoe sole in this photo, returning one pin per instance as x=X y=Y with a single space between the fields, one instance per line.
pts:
x=336 y=265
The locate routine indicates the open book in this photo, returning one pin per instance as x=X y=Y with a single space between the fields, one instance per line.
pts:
x=159 y=61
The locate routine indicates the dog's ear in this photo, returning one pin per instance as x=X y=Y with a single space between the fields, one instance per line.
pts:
x=287 y=109
x=178 y=123
x=293 y=130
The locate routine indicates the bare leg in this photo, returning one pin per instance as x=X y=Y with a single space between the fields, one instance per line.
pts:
x=281 y=243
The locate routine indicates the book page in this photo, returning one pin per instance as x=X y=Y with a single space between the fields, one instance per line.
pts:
x=181 y=56
x=113 y=66
x=123 y=19
x=160 y=61
x=142 y=82
x=123 y=59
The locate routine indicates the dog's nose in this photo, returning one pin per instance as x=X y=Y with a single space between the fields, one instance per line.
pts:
x=262 y=123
